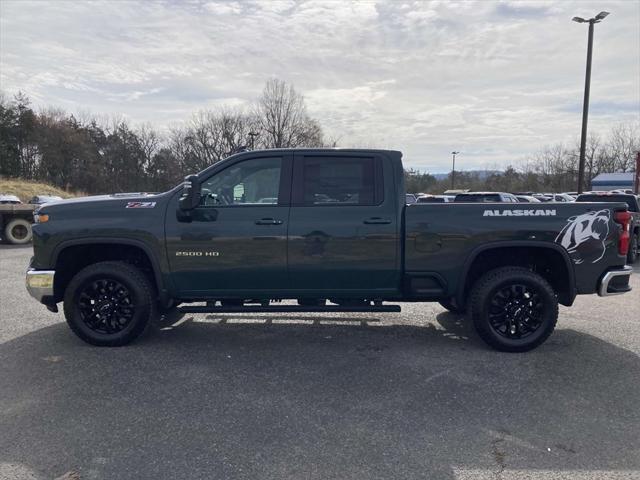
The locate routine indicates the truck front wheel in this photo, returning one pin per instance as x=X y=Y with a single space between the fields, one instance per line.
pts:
x=18 y=231
x=513 y=309
x=109 y=303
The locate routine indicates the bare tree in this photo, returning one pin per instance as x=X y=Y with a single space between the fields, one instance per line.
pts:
x=623 y=145
x=283 y=119
x=212 y=135
x=149 y=144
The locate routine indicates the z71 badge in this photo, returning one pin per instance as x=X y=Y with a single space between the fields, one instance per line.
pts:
x=140 y=204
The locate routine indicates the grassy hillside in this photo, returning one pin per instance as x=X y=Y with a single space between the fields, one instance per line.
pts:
x=25 y=189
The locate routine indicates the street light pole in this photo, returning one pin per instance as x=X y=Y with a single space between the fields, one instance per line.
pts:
x=587 y=88
x=253 y=135
x=453 y=170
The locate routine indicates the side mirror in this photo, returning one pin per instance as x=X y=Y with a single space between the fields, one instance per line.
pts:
x=190 y=198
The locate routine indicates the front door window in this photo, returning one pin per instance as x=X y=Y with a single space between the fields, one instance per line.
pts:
x=249 y=183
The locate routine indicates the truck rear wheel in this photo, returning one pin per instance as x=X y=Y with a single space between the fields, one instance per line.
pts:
x=18 y=231
x=513 y=309
x=109 y=303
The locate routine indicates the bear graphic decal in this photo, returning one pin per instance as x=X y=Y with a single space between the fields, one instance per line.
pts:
x=584 y=236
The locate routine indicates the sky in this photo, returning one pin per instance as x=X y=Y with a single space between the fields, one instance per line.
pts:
x=495 y=80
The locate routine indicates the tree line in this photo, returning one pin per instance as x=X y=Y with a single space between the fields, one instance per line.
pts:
x=96 y=157
x=551 y=169
x=92 y=156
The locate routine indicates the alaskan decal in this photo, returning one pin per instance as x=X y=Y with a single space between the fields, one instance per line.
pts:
x=584 y=235
x=520 y=213
x=141 y=205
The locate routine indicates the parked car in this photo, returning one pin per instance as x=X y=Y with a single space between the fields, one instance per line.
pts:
x=9 y=200
x=554 y=197
x=41 y=199
x=485 y=197
x=455 y=192
x=341 y=231
x=410 y=198
x=633 y=204
x=527 y=199
x=436 y=199
x=562 y=197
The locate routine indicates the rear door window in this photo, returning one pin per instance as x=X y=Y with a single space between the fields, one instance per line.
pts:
x=333 y=180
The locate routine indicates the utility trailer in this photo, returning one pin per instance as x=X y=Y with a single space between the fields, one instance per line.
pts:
x=15 y=222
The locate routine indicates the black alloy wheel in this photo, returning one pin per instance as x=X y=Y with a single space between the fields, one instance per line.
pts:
x=513 y=309
x=110 y=303
x=105 y=305
x=516 y=311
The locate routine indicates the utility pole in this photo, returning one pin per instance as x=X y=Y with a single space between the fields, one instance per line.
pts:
x=252 y=135
x=453 y=170
x=587 y=87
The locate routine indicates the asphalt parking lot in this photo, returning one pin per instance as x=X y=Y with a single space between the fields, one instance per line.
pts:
x=353 y=396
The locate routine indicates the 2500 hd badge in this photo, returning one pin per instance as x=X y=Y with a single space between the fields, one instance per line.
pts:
x=197 y=254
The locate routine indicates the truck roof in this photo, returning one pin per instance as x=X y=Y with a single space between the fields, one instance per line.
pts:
x=319 y=150
x=396 y=154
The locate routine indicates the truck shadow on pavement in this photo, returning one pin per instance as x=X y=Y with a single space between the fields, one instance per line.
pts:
x=255 y=400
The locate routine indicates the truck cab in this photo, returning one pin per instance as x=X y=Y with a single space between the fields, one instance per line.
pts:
x=311 y=223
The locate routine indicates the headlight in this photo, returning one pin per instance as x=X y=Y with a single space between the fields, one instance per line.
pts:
x=40 y=217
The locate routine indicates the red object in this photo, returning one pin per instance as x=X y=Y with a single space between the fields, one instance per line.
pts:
x=624 y=219
x=636 y=184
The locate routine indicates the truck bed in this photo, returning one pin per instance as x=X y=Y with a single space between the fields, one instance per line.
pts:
x=445 y=238
x=23 y=208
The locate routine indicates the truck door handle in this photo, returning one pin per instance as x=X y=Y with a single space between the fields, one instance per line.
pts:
x=377 y=221
x=268 y=221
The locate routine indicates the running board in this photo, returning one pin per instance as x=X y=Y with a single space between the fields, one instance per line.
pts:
x=289 y=309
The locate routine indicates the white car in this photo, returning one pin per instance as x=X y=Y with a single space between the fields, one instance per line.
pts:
x=9 y=199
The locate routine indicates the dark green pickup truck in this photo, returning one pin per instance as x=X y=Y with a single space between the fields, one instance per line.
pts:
x=329 y=229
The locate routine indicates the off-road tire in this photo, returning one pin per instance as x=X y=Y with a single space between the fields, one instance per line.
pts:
x=494 y=282
x=632 y=255
x=14 y=231
x=139 y=288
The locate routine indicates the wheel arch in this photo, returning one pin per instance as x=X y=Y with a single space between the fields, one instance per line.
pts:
x=533 y=250
x=64 y=248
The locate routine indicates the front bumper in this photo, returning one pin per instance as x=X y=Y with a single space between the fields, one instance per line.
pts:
x=615 y=282
x=40 y=284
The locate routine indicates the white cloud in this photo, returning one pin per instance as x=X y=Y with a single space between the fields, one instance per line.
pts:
x=495 y=80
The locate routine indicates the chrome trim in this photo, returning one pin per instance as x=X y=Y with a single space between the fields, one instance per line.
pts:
x=36 y=291
x=604 y=283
